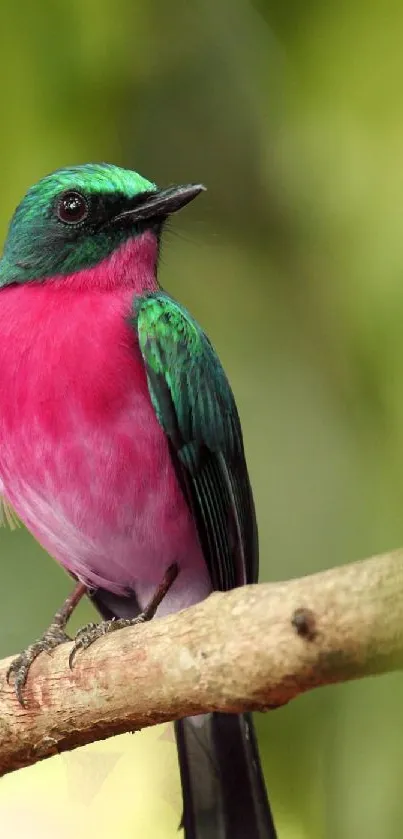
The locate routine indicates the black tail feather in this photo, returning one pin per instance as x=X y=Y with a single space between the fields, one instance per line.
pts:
x=224 y=794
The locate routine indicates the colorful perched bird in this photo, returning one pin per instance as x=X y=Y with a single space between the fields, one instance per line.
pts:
x=120 y=444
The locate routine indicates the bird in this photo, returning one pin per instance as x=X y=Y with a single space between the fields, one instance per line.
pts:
x=121 y=447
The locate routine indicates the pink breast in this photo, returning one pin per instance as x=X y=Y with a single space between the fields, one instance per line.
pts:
x=83 y=459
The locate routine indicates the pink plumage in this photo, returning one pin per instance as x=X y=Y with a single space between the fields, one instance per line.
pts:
x=83 y=459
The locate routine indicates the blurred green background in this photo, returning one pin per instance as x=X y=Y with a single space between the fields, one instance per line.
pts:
x=292 y=114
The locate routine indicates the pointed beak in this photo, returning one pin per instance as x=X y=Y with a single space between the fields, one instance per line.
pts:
x=159 y=204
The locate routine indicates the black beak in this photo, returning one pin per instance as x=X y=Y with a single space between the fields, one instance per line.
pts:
x=161 y=203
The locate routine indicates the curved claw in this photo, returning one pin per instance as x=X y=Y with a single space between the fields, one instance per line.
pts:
x=84 y=638
x=72 y=655
x=52 y=638
x=21 y=665
x=19 y=668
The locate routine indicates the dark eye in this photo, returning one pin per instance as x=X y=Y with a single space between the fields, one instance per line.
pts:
x=72 y=208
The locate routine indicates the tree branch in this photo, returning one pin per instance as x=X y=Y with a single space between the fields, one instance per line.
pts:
x=249 y=649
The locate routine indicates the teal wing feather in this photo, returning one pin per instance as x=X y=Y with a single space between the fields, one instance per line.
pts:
x=195 y=406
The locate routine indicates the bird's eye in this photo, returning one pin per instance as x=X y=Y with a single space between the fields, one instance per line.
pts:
x=72 y=208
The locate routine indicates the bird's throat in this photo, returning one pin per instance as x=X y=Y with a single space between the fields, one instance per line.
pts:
x=131 y=266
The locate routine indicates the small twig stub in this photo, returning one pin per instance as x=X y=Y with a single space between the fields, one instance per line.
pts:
x=304 y=622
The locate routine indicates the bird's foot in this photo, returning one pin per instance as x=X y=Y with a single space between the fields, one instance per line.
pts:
x=52 y=638
x=92 y=631
x=21 y=665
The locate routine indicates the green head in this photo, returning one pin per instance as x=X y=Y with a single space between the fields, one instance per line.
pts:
x=76 y=217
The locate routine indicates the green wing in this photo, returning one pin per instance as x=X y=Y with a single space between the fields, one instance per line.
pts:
x=196 y=408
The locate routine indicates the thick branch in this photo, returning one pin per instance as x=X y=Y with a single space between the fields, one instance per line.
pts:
x=249 y=649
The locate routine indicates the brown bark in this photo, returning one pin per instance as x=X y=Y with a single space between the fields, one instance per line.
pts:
x=249 y=649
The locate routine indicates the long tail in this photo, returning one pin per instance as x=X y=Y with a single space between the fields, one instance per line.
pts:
x=224 y=795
